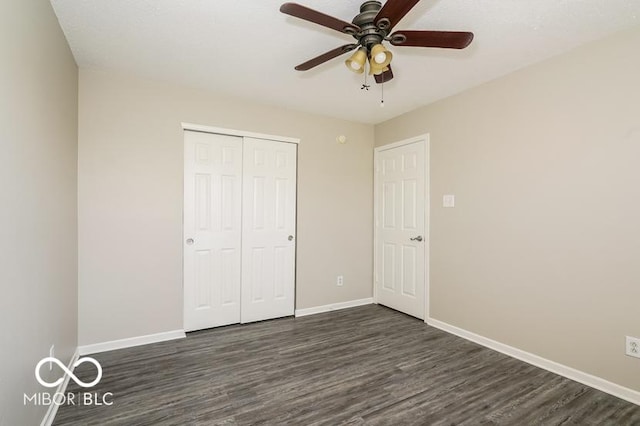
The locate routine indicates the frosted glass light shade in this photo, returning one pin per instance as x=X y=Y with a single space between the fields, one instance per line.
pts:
x=356 y=62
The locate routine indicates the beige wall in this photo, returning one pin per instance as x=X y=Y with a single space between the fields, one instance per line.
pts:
x=542 y=249
x=130 y=201
x=38 y=220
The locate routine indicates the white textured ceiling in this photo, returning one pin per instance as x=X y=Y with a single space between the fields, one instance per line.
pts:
x=247 y=48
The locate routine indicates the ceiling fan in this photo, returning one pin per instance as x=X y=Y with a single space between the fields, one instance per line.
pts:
x=370 y=28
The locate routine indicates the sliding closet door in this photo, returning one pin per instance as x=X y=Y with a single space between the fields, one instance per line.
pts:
x=268 y=229
x=212 y=230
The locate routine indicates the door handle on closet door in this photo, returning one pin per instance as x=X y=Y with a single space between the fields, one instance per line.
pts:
x=190 y=241
x=418 y=238
x=290 y=238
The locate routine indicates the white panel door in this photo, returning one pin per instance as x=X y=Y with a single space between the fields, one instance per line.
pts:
x=268 y=229
x=212 y=230
x=400 y=228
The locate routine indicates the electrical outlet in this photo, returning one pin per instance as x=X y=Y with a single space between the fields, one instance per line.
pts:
x=633 y=347
x=340 y=281
x=52 y=352
x=449 y=200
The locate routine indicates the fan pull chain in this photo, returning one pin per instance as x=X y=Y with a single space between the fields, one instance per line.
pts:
x=382 y=90
x=365 y=86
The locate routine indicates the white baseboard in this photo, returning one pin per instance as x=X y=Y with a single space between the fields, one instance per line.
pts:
x=552 y=366
x=62 y=388
x=130 y=342
x=333 y=307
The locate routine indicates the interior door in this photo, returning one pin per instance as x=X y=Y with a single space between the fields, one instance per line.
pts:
x=268 y=229
x=400 y=228
x=212 y=230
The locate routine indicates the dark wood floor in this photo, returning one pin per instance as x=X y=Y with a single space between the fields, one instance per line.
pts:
x=362 y=366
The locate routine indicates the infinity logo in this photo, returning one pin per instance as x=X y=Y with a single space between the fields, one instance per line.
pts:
x=68 y=372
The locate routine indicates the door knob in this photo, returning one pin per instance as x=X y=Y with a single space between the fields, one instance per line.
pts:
x=189 y=241
x=290 y=238
x=418 y=238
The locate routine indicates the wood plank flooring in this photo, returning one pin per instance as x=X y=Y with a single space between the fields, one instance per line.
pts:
x=361 y=366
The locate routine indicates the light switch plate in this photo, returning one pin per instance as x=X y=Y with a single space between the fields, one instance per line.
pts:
x=448 y=200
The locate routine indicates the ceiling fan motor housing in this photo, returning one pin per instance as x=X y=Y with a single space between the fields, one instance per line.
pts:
x=370 y=34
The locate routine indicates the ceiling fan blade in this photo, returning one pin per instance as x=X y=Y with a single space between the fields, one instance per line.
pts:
x=303 y=12
x=325 y=57
x=393 y=11
x=384 y=77
x=443 y=39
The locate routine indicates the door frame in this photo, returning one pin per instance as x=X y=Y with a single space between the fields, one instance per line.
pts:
x=427 y=212
x=241 y=133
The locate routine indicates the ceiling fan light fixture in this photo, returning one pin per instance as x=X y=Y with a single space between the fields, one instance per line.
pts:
x=380 y=56
x=356 y=62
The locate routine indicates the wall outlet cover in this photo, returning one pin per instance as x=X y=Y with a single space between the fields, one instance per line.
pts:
x=448 y=200
x=633 y=346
